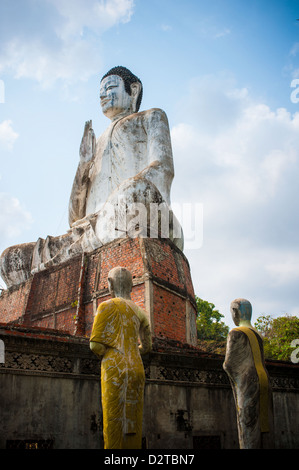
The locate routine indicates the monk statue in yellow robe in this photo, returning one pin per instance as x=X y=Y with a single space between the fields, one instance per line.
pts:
x=118 y=325
x=245 y=366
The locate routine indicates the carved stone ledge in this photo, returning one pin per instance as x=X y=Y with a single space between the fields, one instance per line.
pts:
x=188 y=376
x=69 y=357
x=286 y=384
x=45 y=364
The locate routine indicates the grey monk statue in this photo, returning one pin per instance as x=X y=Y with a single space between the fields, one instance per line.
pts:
x=245 y=366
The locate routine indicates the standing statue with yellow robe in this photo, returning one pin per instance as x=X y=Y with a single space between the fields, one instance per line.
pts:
x=118 y=325
x=245 y=367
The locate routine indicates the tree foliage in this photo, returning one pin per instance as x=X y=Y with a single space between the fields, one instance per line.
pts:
x=278 y=334
x=209 y=324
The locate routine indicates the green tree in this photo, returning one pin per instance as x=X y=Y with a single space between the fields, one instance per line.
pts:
x=208 y=322
x=278 y=334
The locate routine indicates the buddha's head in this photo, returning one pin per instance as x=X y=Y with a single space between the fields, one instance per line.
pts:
x=120 y=92
x=120 y=282
x=241 y=311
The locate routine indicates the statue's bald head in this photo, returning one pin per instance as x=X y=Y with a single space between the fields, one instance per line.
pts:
x=241 y=310
x=128 y=78
x=120 y=282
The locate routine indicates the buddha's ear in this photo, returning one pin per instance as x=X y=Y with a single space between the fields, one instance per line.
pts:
x=135 y=91
x=111 y=286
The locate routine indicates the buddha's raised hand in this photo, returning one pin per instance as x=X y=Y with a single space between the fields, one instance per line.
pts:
x=88 y=143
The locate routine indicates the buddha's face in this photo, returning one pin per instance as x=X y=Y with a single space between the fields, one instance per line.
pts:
x=235 y=316
x=241 y=311
x=114 y=98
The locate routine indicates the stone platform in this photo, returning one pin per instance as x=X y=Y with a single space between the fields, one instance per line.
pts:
x=66 y=297
x=50 y=393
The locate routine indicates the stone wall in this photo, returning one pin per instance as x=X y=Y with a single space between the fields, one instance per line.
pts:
x=50 y=396
x=49 y=391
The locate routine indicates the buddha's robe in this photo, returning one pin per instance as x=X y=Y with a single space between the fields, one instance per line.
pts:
x=245 y=366
x=117 y=326
x=138 y=147
x=132 y=163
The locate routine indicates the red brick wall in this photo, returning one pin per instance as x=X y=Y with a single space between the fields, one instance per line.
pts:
x=88 y=318
x=169 y=265
x=169 y=315
x=126 y=254
x=13 y=303
x=45 y=322
x=53 y=298
x=188 y=280
x=62 y=321
x=138 y=295
x=65 y=321
x=164 y=266
x=92 y=272
x=54 y=289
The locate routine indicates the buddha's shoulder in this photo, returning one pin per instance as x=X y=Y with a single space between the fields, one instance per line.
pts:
x=112 y=301
x=108 y=304
x=152 y=112
x=110 y=309
x=150 y=115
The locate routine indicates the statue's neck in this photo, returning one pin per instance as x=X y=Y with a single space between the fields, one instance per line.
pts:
x=122 y=295
x=245 y=323
x=121 y=116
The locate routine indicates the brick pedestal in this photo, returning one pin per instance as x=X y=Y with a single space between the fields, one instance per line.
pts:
x=66 y=297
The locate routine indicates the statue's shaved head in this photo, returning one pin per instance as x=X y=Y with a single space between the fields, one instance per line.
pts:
x=128 y=78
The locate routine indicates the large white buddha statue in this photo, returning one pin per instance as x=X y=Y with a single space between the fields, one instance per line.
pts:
x=121 y=188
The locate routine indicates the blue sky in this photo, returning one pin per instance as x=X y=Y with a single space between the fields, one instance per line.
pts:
x=221 y=70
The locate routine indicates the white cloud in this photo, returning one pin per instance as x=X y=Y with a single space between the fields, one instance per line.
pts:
x=295 y=49
x=208 y=28
x=2 y=92
x=73 y=61
x=69 y=48
x=285 y=269
x=7 y=135
x=224 y=270
x=95 y=15
x=14 y=219
x=165 y=27
x=223 y=32
x=244 y=147
x=241 y=160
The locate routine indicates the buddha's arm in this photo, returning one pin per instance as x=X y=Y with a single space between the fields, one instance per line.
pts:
x=160 y=169
x=231 y=352
x=236 y=354
x=77 y=204
x=97 y=348
x=144 y=334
